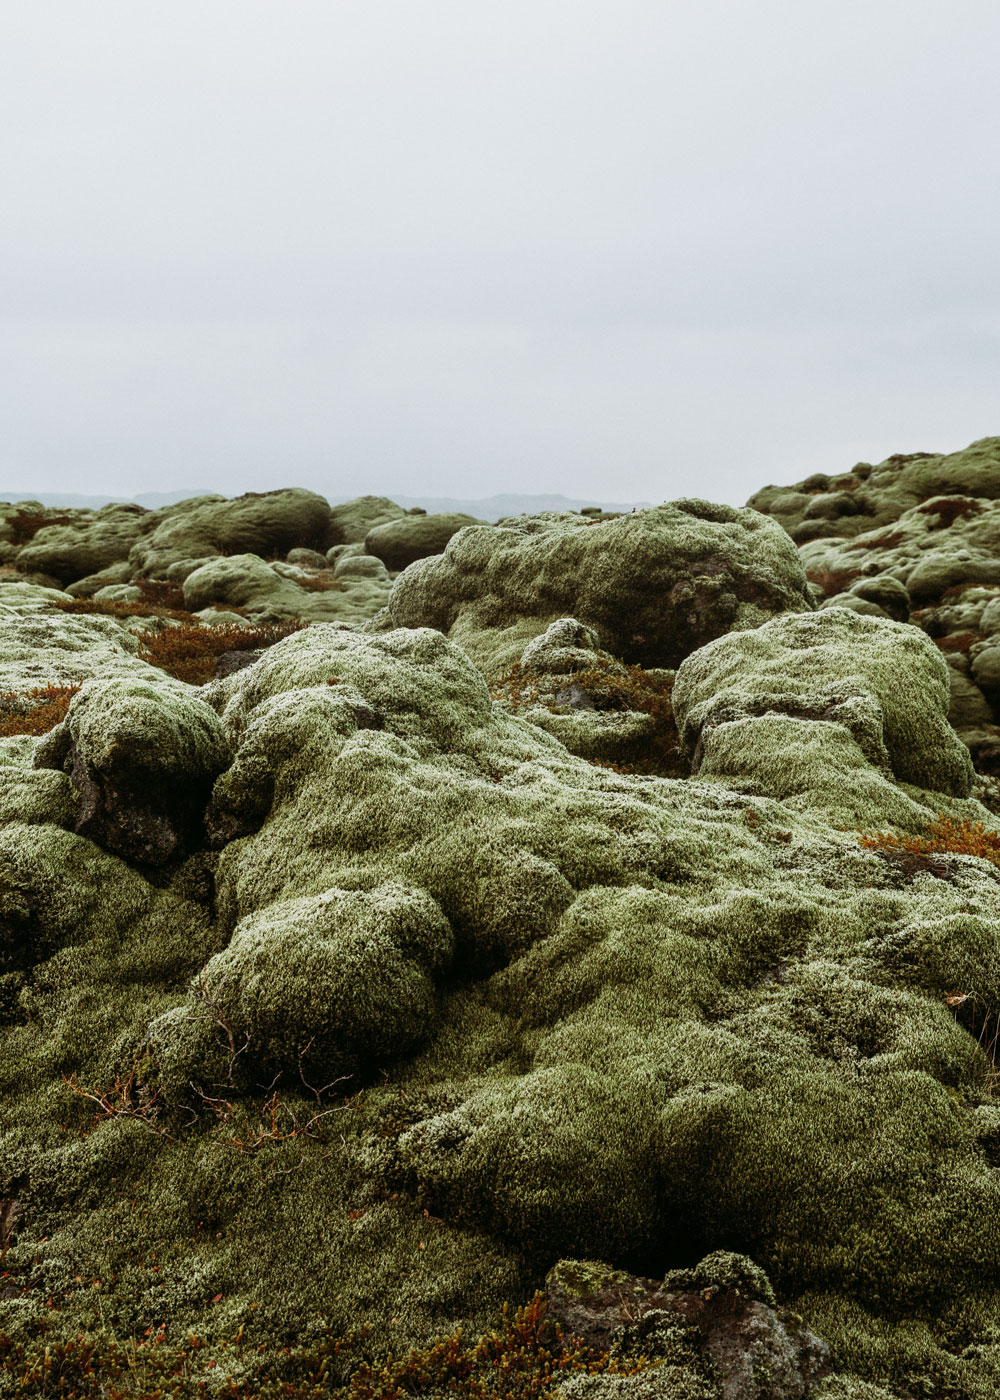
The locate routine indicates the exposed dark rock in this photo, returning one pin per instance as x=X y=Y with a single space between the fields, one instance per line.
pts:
x=227 y=663
x=757 y=1350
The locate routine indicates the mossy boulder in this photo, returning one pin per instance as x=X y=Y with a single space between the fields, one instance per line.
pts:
x=271 y=592
x=90 y=541
x=974 y=471
x=86 y=587
x=352 y=520
x=263 y=523
x=401 y=542
x=361 y=566
x=599 y=708
x=713 y=1330
x=343 y=978
x=653 y=586
x=42 y=646
x=142 y=756
x=867 y=498
x=810 y=702
x=306 y=558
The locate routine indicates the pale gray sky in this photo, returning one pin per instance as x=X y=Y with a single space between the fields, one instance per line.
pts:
x=631 y=250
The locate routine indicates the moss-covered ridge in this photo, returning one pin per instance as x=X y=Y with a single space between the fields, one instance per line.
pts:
x=444 y=1004
x=624 y=1018
x=653 y=585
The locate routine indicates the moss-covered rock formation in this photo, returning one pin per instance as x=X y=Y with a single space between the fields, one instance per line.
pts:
x=85 y=544
x=399 y=543
x=431 y=1003
x=268 y=523
x=270 y=592
x=796 y=707
x=352 y=520
x=403 y=969
x=915 y=539
x=653 y=586
x=866 y=497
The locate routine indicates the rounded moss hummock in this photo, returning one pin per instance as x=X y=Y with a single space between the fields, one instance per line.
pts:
x=653 y=586
x=261 y=523
x=399 y=543
x=804 y=698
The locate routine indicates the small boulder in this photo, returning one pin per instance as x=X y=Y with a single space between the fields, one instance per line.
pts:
x=351 y=521
x=402 y=542
x=306 y=558
x=143 y=758
x=725 y=1307
x=360 y=566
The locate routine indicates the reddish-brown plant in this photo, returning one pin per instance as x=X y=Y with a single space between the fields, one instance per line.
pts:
x=189 y=652
x=943 y=836
x=833 y=581
x=34 y=711
x=891 y=539
x=957 y=641
x=948 y=509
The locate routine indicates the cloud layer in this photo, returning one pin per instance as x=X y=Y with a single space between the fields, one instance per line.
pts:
x=631 y=251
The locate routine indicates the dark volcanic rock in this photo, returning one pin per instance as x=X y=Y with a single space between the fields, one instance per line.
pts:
x=758 y=1351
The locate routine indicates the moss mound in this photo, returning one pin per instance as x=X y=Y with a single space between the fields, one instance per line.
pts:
x=814 y=701
x=654 y=585
x=267 y=523
x=424 y=1003
x=401 y=542
x=91 y=542
x=269 y=592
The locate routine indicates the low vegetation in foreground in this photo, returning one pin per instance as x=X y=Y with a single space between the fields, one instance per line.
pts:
x=550 y=959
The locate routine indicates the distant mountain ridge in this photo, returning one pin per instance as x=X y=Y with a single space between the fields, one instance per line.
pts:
x=485 y=508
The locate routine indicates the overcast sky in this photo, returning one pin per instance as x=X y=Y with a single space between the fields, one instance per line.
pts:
x=629 y=250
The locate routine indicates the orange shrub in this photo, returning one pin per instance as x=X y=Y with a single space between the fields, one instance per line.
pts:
x=320 y=583
x=26 y=524
x=88 y=607
x=188 y=652
x=34 y=711
x=949 y=509
x=944 y=836
x=957 y=641
x=833 y=581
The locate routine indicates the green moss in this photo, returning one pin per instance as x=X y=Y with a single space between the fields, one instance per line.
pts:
x=269 y=592
x=342 y=978
x=632 y=1019
x=836 y=667
x=653 y=585
x=265 y=524
x=399 y=543
x=82 y=546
